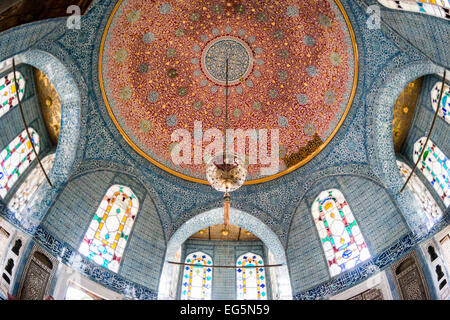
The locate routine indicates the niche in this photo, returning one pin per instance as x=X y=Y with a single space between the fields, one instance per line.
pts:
x=6 y=278
x=443 y=283
x=404 y=266
x=43 y=259
x=439 y=272
x=9 y=266
x=17 y=246
x=432 y=253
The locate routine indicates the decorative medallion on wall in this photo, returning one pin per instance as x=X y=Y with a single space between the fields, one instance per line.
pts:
x=293 y=66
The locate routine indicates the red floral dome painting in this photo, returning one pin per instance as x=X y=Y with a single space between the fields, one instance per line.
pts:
x=292 y=66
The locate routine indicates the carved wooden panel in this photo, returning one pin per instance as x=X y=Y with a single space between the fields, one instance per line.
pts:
x=38 y=275
x=371 y=294
x=35 y=283
x=409 y=278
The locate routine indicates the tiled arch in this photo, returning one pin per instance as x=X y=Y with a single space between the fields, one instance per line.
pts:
x=69 y=94
x=381 y=100
x=237 y=217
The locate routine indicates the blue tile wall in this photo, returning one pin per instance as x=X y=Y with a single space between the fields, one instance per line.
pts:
x=364 y=270
x=76 y=205
x=428 y=33
x=374 y=210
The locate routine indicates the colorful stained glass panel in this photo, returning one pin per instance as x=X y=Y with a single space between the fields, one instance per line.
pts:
x=8 y=91
x=341 y=238
x=421 y=194
x=445 y=101
x=197 y=277
x=250 y=282
x=434 y=165
x=27 y=190
x=16 y=158
x=437 y=8
x=108 y=233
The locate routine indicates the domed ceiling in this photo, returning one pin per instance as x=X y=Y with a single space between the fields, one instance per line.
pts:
x=292 y=67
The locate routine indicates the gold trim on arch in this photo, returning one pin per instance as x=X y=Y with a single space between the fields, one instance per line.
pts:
x=250 y=182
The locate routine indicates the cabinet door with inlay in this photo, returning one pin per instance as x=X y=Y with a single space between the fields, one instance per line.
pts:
x=409 y=278
x=38 y=274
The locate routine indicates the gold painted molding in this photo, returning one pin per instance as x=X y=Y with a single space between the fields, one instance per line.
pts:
x=250 y=182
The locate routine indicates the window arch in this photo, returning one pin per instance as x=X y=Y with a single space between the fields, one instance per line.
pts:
x=437 y=8
x=250 y=282
x=110 y=228
x=197 y=279
x=342 y=240
x=8 y=91
x=421 y=193
x=445 y=103
x=435 y=167
x=26 y=192
x=16 y=158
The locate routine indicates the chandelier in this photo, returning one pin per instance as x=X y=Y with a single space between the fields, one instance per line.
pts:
x=226 y=171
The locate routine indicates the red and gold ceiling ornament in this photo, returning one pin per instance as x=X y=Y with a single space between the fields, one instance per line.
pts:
x=294 y=68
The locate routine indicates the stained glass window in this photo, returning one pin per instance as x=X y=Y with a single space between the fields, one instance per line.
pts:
x=8 y=91
x=16 y=158
x=250 y=282
x=445 y=102
x=197 y=278
x=421 y=193
x=342 y=240
x=434 y=165
x=437 y=8
x=26 y=192
x=108 y=233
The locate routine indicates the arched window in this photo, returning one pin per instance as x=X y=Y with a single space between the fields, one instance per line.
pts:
x=26 y=192
x=421 y=193
x=108 y=233
x=197 y=278
x=250 y=277
x=434 y=165
x=437 y=8
x=445 y=102
x=16 y=158
x=8 y=91
x=341 y=238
